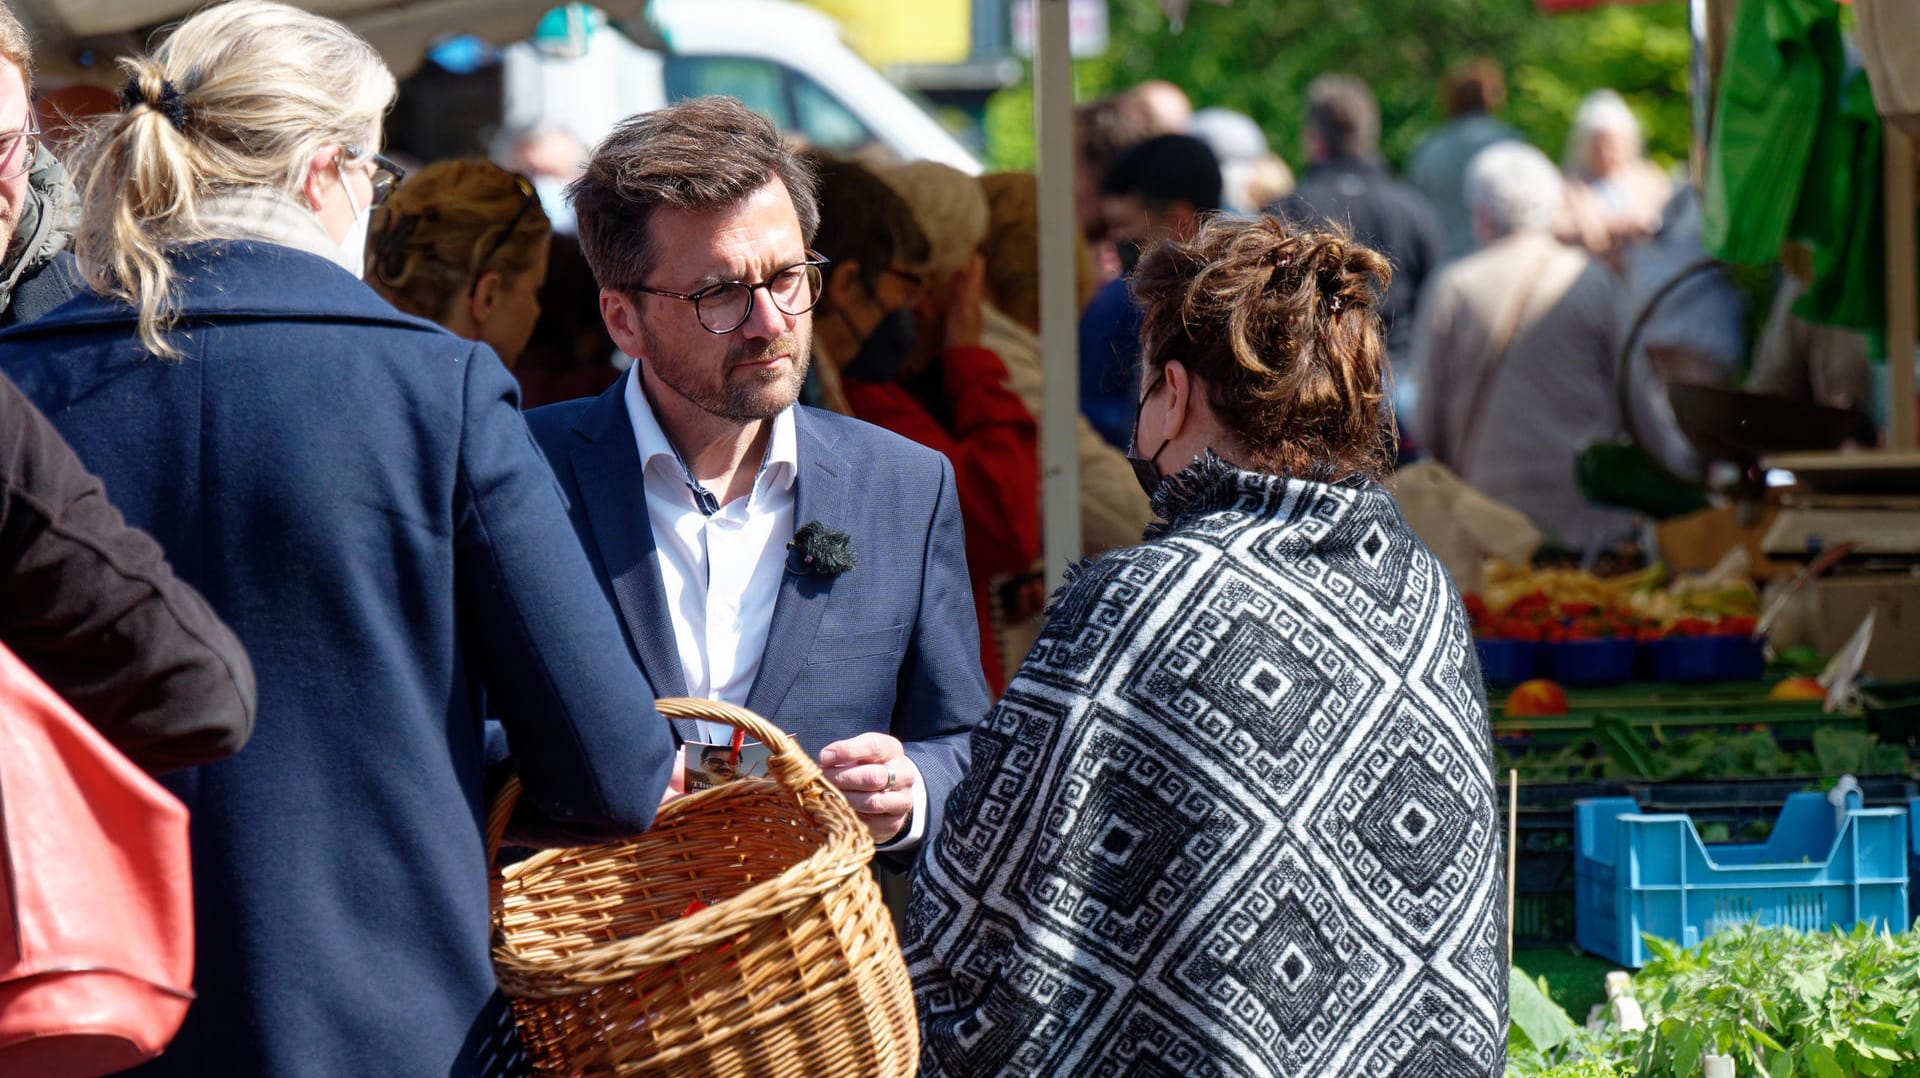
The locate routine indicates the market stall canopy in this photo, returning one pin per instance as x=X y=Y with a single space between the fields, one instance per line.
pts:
x=77 y=39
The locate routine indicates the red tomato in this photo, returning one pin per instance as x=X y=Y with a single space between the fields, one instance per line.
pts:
x=1535 y=602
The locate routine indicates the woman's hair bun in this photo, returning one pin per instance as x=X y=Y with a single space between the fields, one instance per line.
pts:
x=1279 y=321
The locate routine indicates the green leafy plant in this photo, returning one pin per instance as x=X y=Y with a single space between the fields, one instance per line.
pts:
x=1830 y=1004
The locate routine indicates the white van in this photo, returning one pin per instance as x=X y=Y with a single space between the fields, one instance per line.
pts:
x=782 y=59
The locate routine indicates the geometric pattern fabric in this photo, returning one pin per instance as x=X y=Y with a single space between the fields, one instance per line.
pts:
x=1233 y=816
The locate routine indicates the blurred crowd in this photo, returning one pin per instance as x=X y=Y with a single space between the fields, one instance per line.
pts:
x=1516 y=281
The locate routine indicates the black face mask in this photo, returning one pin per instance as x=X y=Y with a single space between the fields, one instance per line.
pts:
x=1145 y=469
x=1129 y=252
x=886 y=349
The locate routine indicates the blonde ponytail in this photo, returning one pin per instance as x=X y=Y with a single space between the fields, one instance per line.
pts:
x=241 y=94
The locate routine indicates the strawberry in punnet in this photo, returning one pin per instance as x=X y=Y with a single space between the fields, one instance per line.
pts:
x=1476 y=609
x=1531 y=604
x=1512 y=628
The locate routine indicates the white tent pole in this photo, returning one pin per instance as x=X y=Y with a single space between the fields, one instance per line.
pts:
x=1059 y=307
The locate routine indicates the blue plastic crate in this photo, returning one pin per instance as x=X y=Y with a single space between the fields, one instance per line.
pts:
x=1913 y=859
x=1638 y=874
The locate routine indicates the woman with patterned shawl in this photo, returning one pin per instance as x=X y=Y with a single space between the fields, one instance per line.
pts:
x=1235 y=813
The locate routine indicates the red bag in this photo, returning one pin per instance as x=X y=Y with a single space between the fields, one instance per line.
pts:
x=96 y=899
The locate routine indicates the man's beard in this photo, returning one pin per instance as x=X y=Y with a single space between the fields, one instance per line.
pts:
x=10 y=223
x=741 y=396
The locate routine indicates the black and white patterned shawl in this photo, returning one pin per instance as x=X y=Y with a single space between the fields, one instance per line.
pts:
x=1234 y=816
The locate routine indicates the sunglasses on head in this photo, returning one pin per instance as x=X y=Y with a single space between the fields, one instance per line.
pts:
x=528 y=198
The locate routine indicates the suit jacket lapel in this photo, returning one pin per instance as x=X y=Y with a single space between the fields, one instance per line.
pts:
x=821 y=492
x=606 y=465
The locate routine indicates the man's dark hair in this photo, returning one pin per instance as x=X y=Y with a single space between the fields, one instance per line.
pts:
x=1475 y=87
x=1346 y=114
x=862 y=220
x=1167 y=169
x=705 y=154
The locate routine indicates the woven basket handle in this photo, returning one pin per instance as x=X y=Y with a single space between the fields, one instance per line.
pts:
x=788 y=765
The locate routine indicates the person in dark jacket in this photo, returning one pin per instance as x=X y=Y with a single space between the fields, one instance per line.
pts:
x=356 y=494
x=1348 y=185
x=92 y=609
x=1161 y=189
x=36 y=272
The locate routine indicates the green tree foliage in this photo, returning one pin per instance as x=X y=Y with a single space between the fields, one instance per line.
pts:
x=1257 y=56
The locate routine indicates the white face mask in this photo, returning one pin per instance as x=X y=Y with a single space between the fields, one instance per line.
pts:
x=353 y=247
x=552 y=192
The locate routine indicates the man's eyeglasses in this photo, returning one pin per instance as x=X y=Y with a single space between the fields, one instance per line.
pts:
x=725 y=307
x=527 y=199
x=386 y=173
x=24 y=143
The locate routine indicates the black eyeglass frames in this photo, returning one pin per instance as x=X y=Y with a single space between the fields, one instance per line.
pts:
x=528 y=197
x=724 y=307
x=387 y=173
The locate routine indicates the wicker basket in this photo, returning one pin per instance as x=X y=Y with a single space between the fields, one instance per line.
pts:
x=792 y=969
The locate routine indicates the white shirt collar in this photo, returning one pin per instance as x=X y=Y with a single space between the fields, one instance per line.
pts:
x=778 y=468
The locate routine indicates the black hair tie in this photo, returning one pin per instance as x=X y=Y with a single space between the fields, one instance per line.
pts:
x=169 y=103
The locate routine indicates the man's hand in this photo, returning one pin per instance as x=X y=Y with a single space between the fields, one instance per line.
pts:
x=874 y=773
x=965 y=294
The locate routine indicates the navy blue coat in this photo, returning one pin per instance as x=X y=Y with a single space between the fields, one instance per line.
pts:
x=890 y=646
x=354 y=492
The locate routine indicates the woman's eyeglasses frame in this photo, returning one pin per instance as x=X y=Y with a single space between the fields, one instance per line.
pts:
x=387 y=173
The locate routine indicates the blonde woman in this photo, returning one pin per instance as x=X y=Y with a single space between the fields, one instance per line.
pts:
x=464 y=244
x=355 y=493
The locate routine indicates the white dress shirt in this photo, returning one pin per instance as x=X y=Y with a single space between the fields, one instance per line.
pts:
x=721 y=618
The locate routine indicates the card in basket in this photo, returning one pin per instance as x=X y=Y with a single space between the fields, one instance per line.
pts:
x=714 y=765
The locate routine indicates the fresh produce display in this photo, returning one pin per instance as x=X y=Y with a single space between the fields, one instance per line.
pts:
x=1549 y=605
x=1582 y=629
x=1705 y=755
x=1779 y=1002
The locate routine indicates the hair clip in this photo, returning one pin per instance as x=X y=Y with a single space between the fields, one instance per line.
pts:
x=1333 y=305
x=1277 y=259
x=168 y=103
